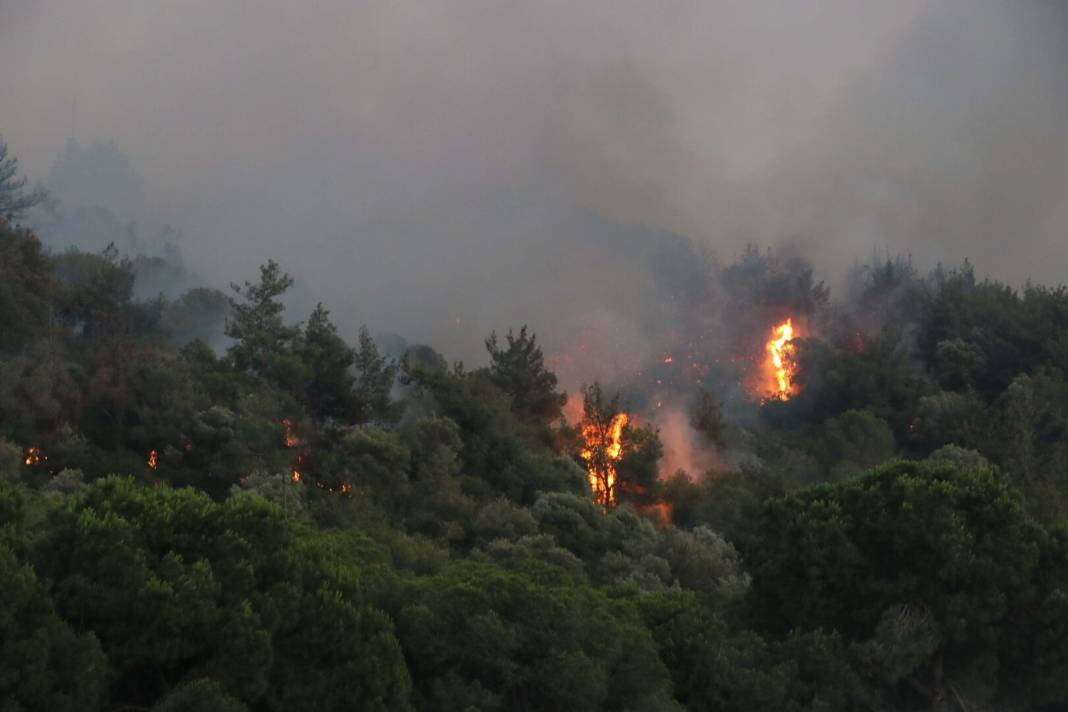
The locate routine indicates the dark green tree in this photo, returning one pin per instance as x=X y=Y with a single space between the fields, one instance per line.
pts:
x=929 y=571
x=177 y=587
x=507 y=640
x=519 y=370
x=15 y=199
x=263 y=342
x=375 y=376
x=43 y=663
x=720 y=668
x=27 y=290
x=330 y=391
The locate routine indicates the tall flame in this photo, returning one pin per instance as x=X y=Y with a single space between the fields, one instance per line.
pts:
x=603 y=449
x=780 y=356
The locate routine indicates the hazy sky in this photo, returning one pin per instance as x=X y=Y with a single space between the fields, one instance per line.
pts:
x=415 y=163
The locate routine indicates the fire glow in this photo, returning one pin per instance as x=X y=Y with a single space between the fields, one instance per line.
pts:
x=291 y=437
x=603 y=448
x=34 y=457
x=780 y=362
x=153 y=459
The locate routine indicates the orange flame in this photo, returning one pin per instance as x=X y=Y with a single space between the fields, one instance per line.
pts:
x=603 y=449
x=297 y=465
x=660 y=511
x=153 y=459
x=291 y=437
x=780 y=361
x=34 y=456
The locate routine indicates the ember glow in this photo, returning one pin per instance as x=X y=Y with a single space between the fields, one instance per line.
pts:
x=291 y=437
x=780 y=361
x=33 y=456
x=603 y=448
x=298 y=465
x=659 y=511
x=153 y=459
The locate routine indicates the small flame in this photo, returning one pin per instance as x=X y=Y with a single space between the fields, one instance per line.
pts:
x=153 y=459
x=34 y=456
x=669 y=359
x=291 y=438
x=602 y=475
x=298 y=464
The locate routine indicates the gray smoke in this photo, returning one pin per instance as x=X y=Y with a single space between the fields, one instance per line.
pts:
x=442 y=169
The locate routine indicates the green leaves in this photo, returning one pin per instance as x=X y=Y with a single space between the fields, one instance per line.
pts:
x=529 y=644
x=177 y=587
x=519 y=370
x=44 y=664
x=928 y=568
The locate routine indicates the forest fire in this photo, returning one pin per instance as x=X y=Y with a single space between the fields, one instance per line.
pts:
x=291 y=437
x=298 y=465
x=659 y=511
x=34 y=457
x=780 y=362
x=153 y=459
x=603 y=448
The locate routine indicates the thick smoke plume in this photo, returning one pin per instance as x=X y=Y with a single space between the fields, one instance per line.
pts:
x=443 y=169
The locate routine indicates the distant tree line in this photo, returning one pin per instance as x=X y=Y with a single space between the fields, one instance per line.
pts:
x=300 y=523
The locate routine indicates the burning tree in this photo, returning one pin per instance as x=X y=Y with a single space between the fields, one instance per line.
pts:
x=621 y=456
x=780 y=361
x=603 y=423
x=773 y=378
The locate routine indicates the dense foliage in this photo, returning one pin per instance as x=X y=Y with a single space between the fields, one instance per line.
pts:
x=291 y=522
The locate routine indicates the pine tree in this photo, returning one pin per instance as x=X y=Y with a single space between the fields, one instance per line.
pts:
x=519 y=370
x=262 y=339
x=15 y=200
x=374 y=379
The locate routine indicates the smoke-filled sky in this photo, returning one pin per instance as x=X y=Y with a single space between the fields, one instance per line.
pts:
x=418 y=163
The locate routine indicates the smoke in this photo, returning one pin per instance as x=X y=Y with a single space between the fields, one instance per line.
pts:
x=684 y=447
x=443 y=169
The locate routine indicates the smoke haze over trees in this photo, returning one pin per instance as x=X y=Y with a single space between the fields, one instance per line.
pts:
x=550 y=356
x=404 y=162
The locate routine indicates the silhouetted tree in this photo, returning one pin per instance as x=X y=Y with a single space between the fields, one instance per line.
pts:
x=330 y=390
x=263 y=342
x=15 y=199
x=375 y=375
x=519 y=370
